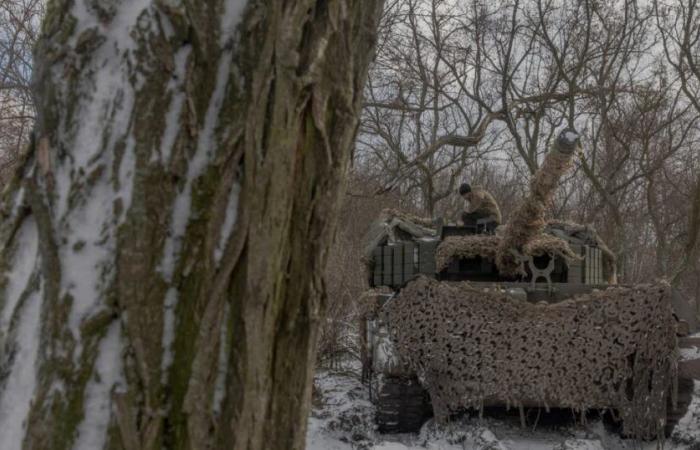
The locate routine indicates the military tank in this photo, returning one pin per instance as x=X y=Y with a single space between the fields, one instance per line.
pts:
x=528 y=315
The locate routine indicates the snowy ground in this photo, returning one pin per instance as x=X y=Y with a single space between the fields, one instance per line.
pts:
x=342 y=419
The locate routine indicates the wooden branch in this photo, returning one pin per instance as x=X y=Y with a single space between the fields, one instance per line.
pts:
x=395 y=106
x=542 y=98
x=463 y=141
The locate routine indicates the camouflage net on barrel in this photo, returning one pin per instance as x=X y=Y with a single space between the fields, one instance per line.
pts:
x=458 y=247
x=528 y=220
x=608 y=349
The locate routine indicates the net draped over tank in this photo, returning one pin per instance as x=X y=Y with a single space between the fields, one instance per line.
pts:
x=614 y=348
x=485 y=246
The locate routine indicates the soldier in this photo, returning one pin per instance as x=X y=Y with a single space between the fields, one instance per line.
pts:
x=482 y=205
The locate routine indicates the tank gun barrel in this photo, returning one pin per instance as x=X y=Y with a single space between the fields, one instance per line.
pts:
x=528 y=221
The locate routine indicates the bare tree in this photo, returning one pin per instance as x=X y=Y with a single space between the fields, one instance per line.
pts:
x=456 y=83
x=416 y=125
x=678 y=25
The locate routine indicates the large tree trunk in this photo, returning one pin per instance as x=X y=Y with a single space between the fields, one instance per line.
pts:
x=163 y=242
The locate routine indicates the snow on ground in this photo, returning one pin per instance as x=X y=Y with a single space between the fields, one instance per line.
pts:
x=342 y=418
x=688 y=354
x=688 y=430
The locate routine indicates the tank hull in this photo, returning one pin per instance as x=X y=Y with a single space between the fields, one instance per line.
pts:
x=452 y=362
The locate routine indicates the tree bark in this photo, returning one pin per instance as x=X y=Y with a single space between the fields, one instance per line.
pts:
x=163 y=242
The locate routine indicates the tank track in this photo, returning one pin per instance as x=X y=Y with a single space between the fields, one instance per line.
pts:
x=402 y=405
x=673 y=416
x=685 y=397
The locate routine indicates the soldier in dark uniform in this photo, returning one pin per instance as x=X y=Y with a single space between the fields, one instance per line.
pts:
x=481 y=205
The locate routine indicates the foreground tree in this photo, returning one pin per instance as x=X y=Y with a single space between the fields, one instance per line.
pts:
x=163 y=240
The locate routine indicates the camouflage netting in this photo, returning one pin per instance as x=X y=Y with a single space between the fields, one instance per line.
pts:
x=546 y=244
x=471 y=246
x=487 y=247
x=586 y=234
x=528 y=220
x=390 y=213
x=393 y=225
x=608 y=349
x=368 y=302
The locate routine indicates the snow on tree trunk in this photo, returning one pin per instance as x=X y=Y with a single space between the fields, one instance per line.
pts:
x=162 y=243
